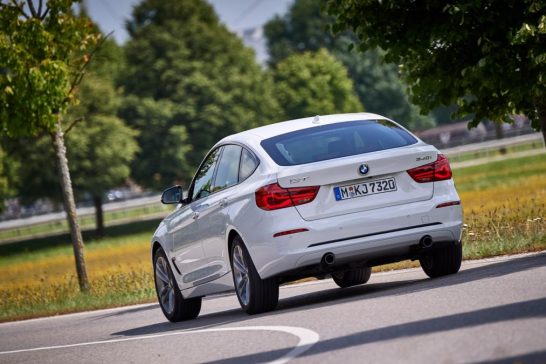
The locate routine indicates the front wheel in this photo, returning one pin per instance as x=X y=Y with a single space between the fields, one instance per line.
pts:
x=352 y=277
x=255 y=295
x=174 y=306
x=443 y=261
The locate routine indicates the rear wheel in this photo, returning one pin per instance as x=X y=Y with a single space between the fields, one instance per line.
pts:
x=443 y=261
x=174 y=306
x=352 y=277
x=255 y=295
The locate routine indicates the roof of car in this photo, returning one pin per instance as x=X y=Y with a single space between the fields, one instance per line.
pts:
x=271 y=130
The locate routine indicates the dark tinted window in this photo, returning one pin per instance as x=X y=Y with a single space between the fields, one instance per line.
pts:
x=335 y=141
x=202 y=186
x=227 y=173
x=248 y=164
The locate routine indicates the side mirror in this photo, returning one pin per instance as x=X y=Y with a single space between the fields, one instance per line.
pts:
x=172 y=195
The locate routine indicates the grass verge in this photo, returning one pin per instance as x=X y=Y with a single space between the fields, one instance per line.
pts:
x=504 y=207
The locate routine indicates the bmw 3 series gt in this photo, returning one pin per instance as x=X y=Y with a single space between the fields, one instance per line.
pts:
x=328 y=195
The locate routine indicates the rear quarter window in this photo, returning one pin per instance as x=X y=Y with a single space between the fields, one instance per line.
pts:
x=335 y=141
x=248 y=165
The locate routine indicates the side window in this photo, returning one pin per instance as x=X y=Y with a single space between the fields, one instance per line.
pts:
x=248 y=165
x=202 y=186
x=228 y=168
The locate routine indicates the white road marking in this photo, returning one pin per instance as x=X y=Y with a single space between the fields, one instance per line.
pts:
x=307 y=337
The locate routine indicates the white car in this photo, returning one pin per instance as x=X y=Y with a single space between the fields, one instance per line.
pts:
x=334 y=194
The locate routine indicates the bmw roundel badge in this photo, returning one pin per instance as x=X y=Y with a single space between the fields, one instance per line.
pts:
x=363 y=169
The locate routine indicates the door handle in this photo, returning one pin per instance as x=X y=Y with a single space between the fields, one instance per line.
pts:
x=195 y=215
x=223 y=202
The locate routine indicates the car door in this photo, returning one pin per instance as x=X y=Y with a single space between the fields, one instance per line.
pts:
x=213 y=218
x=189 y=256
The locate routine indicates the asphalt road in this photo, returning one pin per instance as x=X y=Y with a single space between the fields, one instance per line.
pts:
x=491 y=311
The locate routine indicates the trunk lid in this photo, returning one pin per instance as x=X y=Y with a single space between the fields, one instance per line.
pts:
x=344 y=189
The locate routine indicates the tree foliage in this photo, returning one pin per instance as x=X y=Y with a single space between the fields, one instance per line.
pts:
x=306 y=28
x=488 y=57
x=100 y=147
x=163 y=141
x=103 y=147
x=196 y=80
x=41 y=57
x=35 y=174
x=314 y=83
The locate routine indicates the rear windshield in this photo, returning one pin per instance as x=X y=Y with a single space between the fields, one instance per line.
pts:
x=335 y=141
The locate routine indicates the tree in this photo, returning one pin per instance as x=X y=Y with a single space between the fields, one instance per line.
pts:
x=35 y=173
x=306 y=28
x=44 y=49
x=197 y=83
x=163 y=141
x=100 y=149
x=488 y=57
x=103 y=147
x=310 y=83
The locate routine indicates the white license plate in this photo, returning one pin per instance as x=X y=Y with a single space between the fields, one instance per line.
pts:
x=365 y=188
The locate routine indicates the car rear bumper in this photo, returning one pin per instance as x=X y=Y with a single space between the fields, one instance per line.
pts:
x=356 y=237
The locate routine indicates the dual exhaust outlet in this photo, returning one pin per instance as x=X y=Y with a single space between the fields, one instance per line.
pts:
x=329 y=258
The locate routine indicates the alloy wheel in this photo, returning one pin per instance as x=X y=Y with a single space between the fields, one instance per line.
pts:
x=240 y=270
x=164 y=285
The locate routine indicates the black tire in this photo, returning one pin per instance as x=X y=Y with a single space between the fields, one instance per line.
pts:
x=352 y=277
x=179 y=309
x=262 y=294
x=443 y=261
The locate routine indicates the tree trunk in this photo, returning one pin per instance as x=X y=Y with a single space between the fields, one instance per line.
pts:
x=540 y=105
x=99 y=218
x=70 y=207
x=543 y=127
x=499 y=131
x=542 y=116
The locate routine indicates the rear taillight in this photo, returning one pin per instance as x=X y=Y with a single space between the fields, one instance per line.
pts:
x=437 y=171
x=273 y=196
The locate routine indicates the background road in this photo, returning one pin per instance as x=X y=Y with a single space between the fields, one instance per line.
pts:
x=492 y=311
